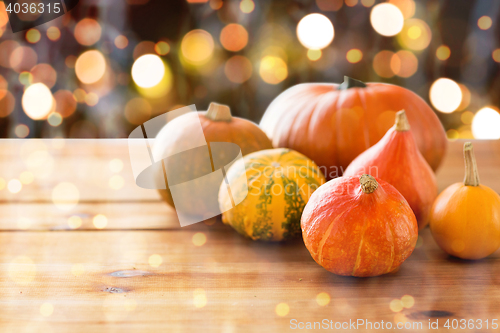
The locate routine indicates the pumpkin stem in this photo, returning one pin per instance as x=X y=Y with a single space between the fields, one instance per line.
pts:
x=471 y=174
x=218 y=112
x=351 y=83
x=368 y=184
x=402 y=124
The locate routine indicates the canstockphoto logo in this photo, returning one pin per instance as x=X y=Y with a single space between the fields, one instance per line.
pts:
x=26 y=14
x=190 y=171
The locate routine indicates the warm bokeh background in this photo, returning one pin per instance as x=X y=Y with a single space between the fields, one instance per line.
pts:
x=108 y=66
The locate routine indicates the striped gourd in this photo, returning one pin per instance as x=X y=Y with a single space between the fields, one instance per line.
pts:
x=280 y=182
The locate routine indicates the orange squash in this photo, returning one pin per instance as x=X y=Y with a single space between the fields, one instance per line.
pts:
x=465 y=219
x=332 y=124
x=397 y=160
x=218 y=126
x=359 y=226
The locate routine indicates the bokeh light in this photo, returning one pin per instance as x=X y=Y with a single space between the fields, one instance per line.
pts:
x=466 y=97
x=26 y=177
x=116 y=182
x=90 y=66
x=315 y=31
x=65 y=196
x=4 y=17
x=44 y=73
x=54 y=119
x=273 y=70
x=382 y=64
x=46 y=309
x=162 y=48
x=6 y=49
x=354 y=56
x=396 y=305
x=21 y=131
x=199 y=298
x=75 y=222
x=23 y=58
x=416 y=35
x=486 y=124
x=387 y=19
x=22 y=270
x=484 y=22
x=496 y=55
x=33 y=36
x=234 y=37
x=100 y=221
x=14 y=186
x=37 y=101
x=116 y=165
x=323 y=299
x=138 y=110
x=445 y=95
x=329 y=5
x=88 y=32
x=121 y=42
x=155 y=260
x=53 y=33
x=407 y=7
x=314 y=55
x=247 y=6
x=148 y=70
x=197 y=47
x=65 y=103
x=443 y=52
x=404 y=63
x=199 y=239
x=7 y=103
x=238 y=69
x=282 y=309
x=407 y=301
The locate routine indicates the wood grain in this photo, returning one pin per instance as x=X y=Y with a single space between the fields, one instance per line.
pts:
x=108 y=280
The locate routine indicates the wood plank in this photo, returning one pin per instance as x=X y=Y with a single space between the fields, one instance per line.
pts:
x=98 y=280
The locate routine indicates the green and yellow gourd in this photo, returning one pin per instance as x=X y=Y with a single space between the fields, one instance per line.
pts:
x=280 y=183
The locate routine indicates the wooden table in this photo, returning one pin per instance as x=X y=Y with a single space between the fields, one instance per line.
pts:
x=141 y=272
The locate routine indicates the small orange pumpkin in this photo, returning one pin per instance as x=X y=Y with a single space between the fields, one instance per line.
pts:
x=465 y=218
x=359 y=226
x=332 y=124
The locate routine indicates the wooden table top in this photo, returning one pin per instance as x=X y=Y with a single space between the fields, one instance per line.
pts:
x=142 y=272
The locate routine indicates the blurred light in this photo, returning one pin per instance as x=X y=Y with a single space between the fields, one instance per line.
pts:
x=77 y=269
x=452 y=134
x=367 y=3
x=404 y=63
x=416 y=35
x=155 y=260
x=496 y=55
x=138 y=110
x=199 y=239
x=88 y=31
x=466 y=97
x=23 y=58
x=121 y=42
x=75 y=222
x=116 y=182
x=91 y=99
x=4 y=17
x=144 y=47
x=486 y=124
x=3 y=87
x=282 y=309
x=54 y=119
x=238 y=69
x=53 y=33
x=445 y=95
x=26 y=177
x=407 y=301
x=14 y=186
x=100 y=221
x=33 y=36
x=46 y=309
x=6 y=49
x=484 y=22
x=70 y=61
x=233 y=37
x=322 y=299
x=44 y=73
x=387 y=19
x=90 y=66
x=407 y=7
x=65 y=196
x=273 y=69
x=162 y=48
x=197 y=1
x=116 y=165
x=314 y=55
x=25 y=78
x=443 y=52
x=2 y=183
x=354 y=56
x=7 y=103
x=79 y=95
x=22 y=270
x=65 y=103
x=329 y=5
x=199 y=298
x=351 y=3
x=197 y=47
x=395 y=305
x=382 y=64
x=216 y=4
x=467 y=117
x=247 y=6
x=37 y=101
x=315 y=31
x=148 y=70
x=22 y=131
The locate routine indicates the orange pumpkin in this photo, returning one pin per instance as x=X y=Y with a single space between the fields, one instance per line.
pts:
x=465 y=218
x=397 y=160
x=218 y=126
x=332 y=124
x=359 y=226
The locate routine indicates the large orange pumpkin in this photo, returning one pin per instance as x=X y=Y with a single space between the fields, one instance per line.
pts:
x=332 y=124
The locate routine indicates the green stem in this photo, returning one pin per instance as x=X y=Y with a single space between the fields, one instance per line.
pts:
x=351 y=83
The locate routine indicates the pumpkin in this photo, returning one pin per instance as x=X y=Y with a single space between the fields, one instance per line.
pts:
x=332 y=124
x=218 y=126
x=280 y=182
x=359 y=226
x=465 y=219
x=397 y=160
